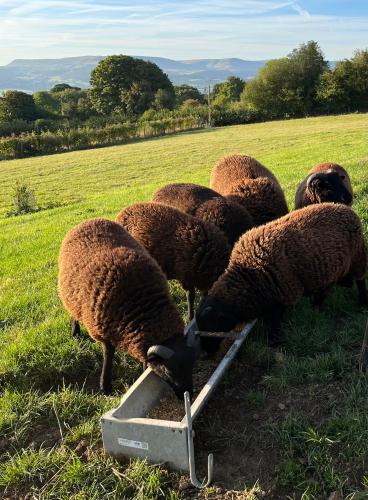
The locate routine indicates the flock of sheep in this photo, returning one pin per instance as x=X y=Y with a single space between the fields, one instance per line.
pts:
x=235 y=242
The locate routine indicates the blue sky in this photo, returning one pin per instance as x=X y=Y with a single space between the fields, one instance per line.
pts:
x=249 y=29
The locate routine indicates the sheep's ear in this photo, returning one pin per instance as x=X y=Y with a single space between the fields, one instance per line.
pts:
x=159 y=351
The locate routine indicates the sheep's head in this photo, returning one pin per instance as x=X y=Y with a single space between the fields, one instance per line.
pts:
x=328 y=187
x=173 y=361
x=213 y=315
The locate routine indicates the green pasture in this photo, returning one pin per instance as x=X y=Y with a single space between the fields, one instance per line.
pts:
x=49 y=408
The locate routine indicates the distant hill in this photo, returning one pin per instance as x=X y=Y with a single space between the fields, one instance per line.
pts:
x=41 y=74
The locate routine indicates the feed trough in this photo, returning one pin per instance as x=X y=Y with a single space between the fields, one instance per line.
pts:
x=128 y=432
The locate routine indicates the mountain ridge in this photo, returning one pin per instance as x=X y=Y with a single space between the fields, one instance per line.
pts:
x=41 y=74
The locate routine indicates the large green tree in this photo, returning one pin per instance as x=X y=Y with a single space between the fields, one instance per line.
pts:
x=287 y=86
x=308 y=64
x=126 y=84
x=345 y=88
x=273 y=92
x=15 y=105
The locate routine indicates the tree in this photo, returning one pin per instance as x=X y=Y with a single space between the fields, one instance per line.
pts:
x=288 y=86
x=126 y=84
x=85 y=108
x=332 y=95
x=60 y=87
x=164 y=100
x=48 y=106
x=135 y=100
x=345 y=89
x=15 y=105
x=230 y=90
x=273 y=92
x=308 y=64
x=185 y=92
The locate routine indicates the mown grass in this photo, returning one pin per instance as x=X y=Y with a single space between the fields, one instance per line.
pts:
x=49 y=410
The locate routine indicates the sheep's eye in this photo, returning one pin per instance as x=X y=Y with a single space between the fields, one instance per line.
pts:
x=342 y=177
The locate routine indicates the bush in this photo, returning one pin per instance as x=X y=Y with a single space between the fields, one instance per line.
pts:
x=68 y=139
x=24 y=199
x=15 y=127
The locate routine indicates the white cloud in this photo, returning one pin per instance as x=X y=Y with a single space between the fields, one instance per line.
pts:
x=249 y=29
x=302 y=12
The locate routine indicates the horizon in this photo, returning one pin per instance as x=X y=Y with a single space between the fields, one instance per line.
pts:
x=235 y=29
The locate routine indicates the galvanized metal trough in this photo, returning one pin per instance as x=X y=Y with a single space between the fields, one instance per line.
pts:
x=127 y=432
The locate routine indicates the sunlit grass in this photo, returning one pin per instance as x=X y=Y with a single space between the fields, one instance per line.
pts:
x=49 y=379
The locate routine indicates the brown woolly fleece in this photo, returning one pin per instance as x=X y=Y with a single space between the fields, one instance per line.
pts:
x=302 y=253
x=246 y=181
x=304 y=198
x=112 y=285
x=187 y=249
x=202 y=202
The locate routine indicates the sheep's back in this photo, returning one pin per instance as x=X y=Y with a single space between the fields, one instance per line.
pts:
x=186 y=248
x=262 y=198
x=110 y=283
x=186 y=197
x=202 y=202
x=158 y=228
x=231 y=217
x=233 y=169
x=316 y=246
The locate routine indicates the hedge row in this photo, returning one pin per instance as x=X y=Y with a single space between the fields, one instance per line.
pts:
x=45 y=142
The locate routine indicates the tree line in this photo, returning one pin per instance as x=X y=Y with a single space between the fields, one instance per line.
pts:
x=124 y=89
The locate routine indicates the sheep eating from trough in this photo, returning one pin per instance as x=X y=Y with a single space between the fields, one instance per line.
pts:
x=243 y=179
x=202 y=202
x=111 y=284
x=187 y=249
x=273 y=266
x=325 y=182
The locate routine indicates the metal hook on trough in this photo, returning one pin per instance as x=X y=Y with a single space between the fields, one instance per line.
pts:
x=192 y=471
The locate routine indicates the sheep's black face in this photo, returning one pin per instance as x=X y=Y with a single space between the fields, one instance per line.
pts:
x=177 y=368
x=329 y=187
x=214 y=316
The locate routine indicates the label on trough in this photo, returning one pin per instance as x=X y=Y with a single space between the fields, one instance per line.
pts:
x=133 y=444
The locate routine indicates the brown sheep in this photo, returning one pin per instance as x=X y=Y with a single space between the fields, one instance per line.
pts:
x=202 y=202
x=187 y=249
x=112 y=285
x=243 y=179
x=273 y=266
x=325 y=182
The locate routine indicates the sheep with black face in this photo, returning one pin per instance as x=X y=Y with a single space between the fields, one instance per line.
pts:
x=273 y=266
x=111 y=284
x=325 y=182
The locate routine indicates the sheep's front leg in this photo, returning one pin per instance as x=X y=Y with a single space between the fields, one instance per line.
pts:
x=106 y=374
x=75 y=328
x=275 y=332
x=190 y=299
x=362 y=292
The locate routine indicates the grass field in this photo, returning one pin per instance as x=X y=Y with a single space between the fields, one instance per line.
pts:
x=303 y=425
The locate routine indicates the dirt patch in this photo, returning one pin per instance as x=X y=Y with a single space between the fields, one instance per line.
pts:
x=236 y=431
